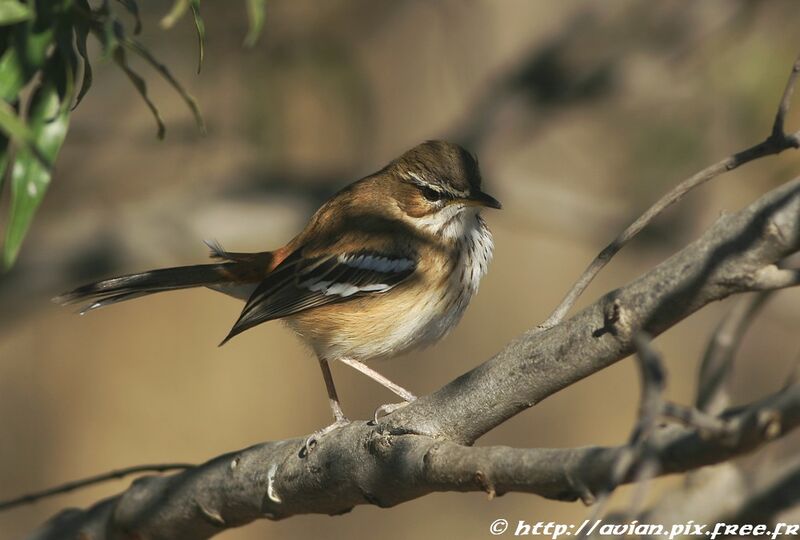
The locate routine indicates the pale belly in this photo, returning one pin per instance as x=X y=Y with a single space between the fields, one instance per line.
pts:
x=411 y=315
x=376 y=327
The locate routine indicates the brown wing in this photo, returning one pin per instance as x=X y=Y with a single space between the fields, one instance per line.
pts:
x=300 y=283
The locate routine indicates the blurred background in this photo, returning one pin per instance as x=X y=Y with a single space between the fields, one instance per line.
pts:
x=582 y=114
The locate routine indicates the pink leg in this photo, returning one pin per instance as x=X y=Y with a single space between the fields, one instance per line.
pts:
x=378 y=378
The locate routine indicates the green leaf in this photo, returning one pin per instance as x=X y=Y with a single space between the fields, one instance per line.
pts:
x=12 y=74
x=256 y=14
x=109 y=30
x=133 y=9
x=121 y=59
x=4 y=154
x=81 y=35
x=66 y=70
x=17 y=130
x=14 y=126
x=201 y=33
x=139 y=49
x=24 y=57
x=12 y=12
x=49 y=122
x=179 y=10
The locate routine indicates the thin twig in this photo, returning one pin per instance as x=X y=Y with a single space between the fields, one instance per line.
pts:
x=786 y=102
x=651 y=404
x=721 y=349
x=777 y=142
x=793 y=377
x=637 y=461
x=769 y=496
x=91 y=480
x=689 y=416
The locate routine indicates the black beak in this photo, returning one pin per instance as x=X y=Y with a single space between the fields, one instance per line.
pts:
x=483 y=199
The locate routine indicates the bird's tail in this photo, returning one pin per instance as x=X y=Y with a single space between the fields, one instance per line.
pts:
x=118 y=289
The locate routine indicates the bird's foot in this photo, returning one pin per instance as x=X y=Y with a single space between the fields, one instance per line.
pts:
x=315 y=437
x=389 y=408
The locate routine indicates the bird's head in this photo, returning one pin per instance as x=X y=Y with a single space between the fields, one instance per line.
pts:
x=437 y=186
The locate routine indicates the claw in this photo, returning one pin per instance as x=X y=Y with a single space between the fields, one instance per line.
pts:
x=314 y=438
x=387 y=409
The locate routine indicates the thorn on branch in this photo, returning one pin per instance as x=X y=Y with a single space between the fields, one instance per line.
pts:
x=769 y=420
x=580 y=488
x=772 y=277
x=615 y=320
x=370 y=498
x=272 y=494
x=587 y=497
x=485 y=484
x=212 y=516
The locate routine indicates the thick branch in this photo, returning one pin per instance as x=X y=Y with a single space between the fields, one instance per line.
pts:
x=269 y=480
x=569 y=474
x=399 y=459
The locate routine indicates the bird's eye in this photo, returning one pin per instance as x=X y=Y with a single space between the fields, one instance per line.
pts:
x=431 y=194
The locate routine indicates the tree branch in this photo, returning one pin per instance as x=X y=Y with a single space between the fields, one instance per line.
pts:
x=775 y=143
x=116 y=474
x=777 y=493
x=539 y=363
x=269 y=480
x=421 y=448
x=718 y=358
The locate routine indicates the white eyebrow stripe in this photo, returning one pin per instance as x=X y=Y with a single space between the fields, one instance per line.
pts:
x=422 y=182
x=449 y=190
x=418 y=178
x=376 y=263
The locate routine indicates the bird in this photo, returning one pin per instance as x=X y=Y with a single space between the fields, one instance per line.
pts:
x=386 y=265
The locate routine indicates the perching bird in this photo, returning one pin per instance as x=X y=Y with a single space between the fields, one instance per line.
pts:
x=387 y=264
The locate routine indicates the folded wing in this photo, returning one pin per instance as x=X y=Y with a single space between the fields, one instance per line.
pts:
x=299 y=284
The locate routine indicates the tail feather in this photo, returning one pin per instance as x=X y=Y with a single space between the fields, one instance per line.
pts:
x=128 y=287
x=103 y=302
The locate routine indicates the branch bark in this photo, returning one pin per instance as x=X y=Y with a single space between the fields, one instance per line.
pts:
x=425 y=447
